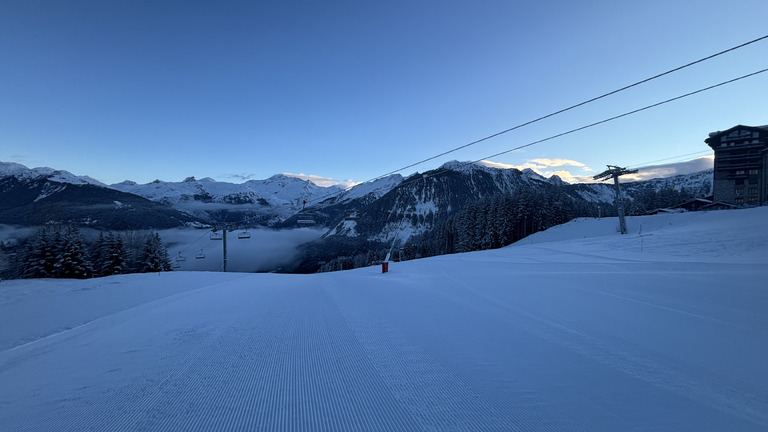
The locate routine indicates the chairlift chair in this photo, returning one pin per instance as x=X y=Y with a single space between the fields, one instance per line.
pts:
x=244 y=235
x=216 y=236
x=305 y=219
x=180 y=258
x=201 y=255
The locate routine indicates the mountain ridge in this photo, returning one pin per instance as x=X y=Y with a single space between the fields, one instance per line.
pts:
x=382 y=208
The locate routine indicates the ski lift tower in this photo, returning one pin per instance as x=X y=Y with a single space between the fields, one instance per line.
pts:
x=615 y=172
x=224 y=227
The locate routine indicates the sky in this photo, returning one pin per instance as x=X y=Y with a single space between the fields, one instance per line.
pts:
x=347 y=91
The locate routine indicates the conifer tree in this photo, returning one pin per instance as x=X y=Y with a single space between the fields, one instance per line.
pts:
x=155 y=256
x=42 y=254
x=115 y=261
x=73 y=262
x=98 y=254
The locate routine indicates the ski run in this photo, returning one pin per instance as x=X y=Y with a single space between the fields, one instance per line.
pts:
x=573 y=329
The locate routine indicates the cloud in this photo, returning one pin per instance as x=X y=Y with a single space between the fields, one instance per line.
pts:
x=673 y=169
x=567 y=176
x=553 y=163
x=323 y=181
x=544 y=167
x=499 y=165
x=539 y=164
x=239 y=177
x=318 y=180
x=266 y=250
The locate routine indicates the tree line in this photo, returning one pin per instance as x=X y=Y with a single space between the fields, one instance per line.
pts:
x=62 y=252
x=498 y=221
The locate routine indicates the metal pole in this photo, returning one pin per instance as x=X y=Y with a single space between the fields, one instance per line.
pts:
x=224 y=246
x=620 y=206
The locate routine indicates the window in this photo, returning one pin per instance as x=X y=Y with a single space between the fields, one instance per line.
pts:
x=753 y=191
x=739 y=200
x=753 y=171
x=739 y=191
x=752 y=199
x=740 y=172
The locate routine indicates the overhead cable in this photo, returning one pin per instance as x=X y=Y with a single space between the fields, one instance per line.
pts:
x=644 y=165
x=320 y=199
x=570 y=107
x=596 y=123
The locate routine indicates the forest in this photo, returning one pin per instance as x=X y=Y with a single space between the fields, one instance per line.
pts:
x=61 y=251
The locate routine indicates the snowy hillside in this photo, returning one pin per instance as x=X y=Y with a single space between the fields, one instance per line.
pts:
x=573 y=329
x=372 y=190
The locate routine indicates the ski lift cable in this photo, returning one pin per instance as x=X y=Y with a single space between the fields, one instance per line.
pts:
x=194 y=242
x=647 y=107
x=650 y=163
x=670 y=71
x=575 y=106
x=628 y=113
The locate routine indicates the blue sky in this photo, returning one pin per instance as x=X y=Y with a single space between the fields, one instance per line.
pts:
x=349 y=90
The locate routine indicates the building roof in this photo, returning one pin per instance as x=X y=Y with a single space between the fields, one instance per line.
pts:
x=716 y=133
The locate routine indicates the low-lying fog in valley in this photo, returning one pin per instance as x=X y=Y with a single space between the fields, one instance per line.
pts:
x=266 y=250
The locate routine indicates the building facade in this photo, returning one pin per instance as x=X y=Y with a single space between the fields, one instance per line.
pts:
x=741 y=165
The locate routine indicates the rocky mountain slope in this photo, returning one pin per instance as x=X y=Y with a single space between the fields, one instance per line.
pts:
x=37 y=200
x=420 y=202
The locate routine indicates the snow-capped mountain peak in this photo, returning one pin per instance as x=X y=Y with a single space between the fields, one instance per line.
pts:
x=375 y=189
x=530 y=174
x=12 y=169
x=257 y=201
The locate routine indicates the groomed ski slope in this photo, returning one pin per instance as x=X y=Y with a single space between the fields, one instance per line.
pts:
x=573 y=329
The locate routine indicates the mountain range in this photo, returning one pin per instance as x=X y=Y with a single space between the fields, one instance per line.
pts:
x=387 y=208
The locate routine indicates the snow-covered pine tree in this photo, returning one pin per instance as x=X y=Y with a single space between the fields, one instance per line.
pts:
x=115 y=262
x=34 y=261
x=98 y=255
x=73 y=261
x=42 y=255
x=155 y=256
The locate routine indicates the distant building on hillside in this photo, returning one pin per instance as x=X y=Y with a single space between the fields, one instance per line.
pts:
x=741 y=165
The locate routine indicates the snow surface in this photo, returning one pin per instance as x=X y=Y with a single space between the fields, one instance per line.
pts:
x=573 y=329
